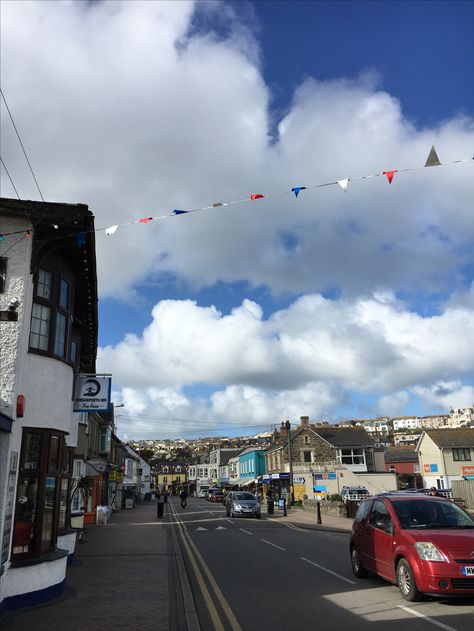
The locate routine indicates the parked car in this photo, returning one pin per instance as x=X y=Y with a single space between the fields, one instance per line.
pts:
x=211 y=491
x=423 y=544
x=216 y=496
x=243 y=504
x=202 y=493
x=354 y=493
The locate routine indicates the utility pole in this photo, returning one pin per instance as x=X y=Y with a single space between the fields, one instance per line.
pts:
x=290 y=462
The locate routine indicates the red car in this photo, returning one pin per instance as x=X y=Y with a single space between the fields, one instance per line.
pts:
x=423 y=544
x=216 y=496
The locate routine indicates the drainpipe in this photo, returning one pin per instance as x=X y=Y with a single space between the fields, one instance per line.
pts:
x=445 y=475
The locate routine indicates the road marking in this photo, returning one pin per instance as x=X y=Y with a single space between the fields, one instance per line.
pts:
x=200 y=528
x=246 y=531
x=221 y=528
x=325 y=569
x=272 y=544
x=194 y=554
x=427 y=618
x=293 y=527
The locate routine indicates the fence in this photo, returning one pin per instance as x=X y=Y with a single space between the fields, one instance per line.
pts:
x=464 y=489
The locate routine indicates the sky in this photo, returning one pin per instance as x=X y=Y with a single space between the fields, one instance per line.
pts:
x=340 y=303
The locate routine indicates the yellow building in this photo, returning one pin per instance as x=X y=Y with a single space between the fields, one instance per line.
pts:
x=170 y=476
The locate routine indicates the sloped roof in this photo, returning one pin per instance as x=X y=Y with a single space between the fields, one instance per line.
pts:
x=452 y=437
x=345 y=436
x=227 y=455
x=401 y=453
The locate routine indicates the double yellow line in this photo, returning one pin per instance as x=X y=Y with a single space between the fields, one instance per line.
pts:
x=195 y=558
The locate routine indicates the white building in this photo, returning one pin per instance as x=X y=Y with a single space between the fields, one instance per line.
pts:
x=48 y=273
x=406 y=422
x=460 y=417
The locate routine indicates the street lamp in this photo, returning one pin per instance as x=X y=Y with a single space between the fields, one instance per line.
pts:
x=290 y=461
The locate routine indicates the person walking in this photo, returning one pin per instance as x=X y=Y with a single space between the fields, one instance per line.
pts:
x=184 y=496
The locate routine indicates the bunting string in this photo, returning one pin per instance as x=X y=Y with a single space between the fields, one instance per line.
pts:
x=432 y=161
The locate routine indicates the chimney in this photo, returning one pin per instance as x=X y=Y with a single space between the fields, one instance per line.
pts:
x=283 y=429
x=304 y=421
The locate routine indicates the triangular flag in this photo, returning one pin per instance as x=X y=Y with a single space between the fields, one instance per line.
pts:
x=297 y=189
x=80 y=239
x=145 y=219
x=256 y=196
x=111 y=230
x=390 y=175
x=343 y=184
x=179 y=212
x=433 y=160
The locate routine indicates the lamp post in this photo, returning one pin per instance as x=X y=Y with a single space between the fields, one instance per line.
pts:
x=290 y=461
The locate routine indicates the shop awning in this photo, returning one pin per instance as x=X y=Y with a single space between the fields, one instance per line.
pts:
x=243 y=482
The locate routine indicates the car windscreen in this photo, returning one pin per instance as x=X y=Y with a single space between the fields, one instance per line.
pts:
x=426 y=514
x=243 y=496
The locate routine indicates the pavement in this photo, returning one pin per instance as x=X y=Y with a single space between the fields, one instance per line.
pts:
x=129 y=574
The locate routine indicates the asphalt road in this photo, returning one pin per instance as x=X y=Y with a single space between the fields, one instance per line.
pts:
x=269 y=575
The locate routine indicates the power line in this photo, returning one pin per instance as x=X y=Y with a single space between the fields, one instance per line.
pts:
x=19 y=139
x=9 y=176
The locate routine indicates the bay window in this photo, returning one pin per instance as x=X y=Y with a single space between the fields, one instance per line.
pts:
x=42 y=495
x=51 y=315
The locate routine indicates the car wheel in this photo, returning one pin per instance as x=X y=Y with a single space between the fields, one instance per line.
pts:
x=357 y=567
x=406 y=582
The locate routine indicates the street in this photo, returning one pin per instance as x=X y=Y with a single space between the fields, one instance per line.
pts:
x=268 y=574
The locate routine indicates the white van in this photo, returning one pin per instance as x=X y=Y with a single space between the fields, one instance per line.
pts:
x=354 y=493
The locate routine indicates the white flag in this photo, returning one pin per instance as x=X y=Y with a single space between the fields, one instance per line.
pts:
x=111 y=230
x=343 y=184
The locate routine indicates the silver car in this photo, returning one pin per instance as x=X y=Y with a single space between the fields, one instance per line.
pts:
x=241 y=503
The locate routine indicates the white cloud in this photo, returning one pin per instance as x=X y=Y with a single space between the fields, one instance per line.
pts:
x=308 y=358
x=446 y=395
x=140 y=113
x=134 y=109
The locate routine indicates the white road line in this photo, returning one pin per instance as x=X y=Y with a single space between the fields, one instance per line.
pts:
x=272 y=544
x=427 y=618
x=246 y=531
x=293 y=527
x=325 y=569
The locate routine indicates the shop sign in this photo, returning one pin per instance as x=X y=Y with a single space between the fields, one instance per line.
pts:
x=430 y=468
x=467 y=471
x=91 y=393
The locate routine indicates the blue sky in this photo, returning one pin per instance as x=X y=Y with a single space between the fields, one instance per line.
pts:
x=333 y=305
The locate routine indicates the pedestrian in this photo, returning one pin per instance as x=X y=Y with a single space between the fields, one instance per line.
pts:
x=184 y=496
x=433 y=491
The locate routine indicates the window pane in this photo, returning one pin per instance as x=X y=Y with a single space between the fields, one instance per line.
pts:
x=48 y=512
x=74 y=351
x=54 y=454
x=64 y=294
x=40 y=325
x=25 y=514
x=63 y=503
x=60 y=337
x=32 y=454
x=45 y=284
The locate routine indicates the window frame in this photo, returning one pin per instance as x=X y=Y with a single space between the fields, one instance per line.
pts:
x=459 y=454
x=57 y=311
x=45 y=469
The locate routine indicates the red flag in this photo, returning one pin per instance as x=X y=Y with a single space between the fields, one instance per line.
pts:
x=390 y=175
x=145 y=219
x=256 y=196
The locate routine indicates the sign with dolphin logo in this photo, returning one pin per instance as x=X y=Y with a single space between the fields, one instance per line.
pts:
x=91 y=393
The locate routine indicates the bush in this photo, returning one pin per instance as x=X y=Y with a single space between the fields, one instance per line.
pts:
x=335 y=497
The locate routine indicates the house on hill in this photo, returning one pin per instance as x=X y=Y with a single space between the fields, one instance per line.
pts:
x=446 y=455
